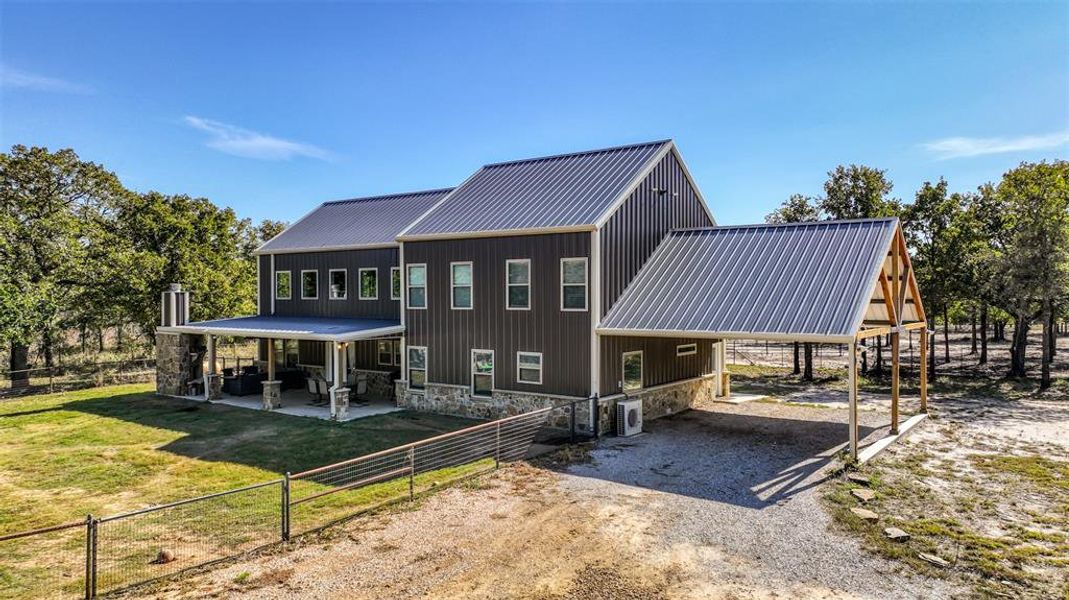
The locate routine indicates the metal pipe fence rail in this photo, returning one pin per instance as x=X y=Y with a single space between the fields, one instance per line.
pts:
x=96 y=556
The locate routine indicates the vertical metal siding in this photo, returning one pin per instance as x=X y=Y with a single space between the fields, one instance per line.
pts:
x=450 y=335
x=350 y=260
x=659 y=361
x=265 y=283
x=642 y=222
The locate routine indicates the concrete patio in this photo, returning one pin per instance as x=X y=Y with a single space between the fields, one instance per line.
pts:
x=299 y=403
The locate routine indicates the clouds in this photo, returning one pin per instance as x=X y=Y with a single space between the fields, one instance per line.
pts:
x=22 y=80
x=960 y=147
x=250 y=144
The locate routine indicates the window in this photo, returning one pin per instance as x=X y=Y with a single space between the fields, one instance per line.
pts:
x=283 y=285
x=309 y=285
x=686 y=349
x=632 y=369
x=529 y=367
x=518 y=284
x=385 y=350
x=573 y=284
x=369 y=284
x=482 y=372
x=397 y=352
x=417 y=367
x=460 y=280
x=395 y=283
x=337 y=281
x=417 y=286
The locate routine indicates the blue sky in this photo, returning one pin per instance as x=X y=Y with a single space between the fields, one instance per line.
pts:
x=272 y=108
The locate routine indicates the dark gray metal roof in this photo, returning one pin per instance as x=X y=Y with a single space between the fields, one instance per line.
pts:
x=359 y=222
x=295 y=328
x=553 y=192
x=804 y=280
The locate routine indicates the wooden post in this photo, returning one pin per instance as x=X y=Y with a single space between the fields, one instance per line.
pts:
x=270 y=359
x=211 y=354
x=852 y=366
x=924 y=368
x=895 y=344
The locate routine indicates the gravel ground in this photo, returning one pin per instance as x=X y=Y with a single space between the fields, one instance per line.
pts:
x=735 y=489
x=718 y=502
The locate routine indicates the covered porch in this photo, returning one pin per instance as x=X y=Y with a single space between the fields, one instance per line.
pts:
x=333 y=368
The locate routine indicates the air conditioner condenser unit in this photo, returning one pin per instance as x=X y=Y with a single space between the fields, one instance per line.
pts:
x=629 y=418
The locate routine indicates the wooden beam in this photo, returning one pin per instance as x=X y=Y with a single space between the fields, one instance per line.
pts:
x=924 y=369
x=915 y=325
x=270 y=359
x=888 y=298
x=875 y=331
x=880 y=301
x=895 y=344
x=852 y=377
x=896 y=285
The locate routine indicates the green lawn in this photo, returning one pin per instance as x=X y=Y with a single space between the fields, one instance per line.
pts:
x=109 y=450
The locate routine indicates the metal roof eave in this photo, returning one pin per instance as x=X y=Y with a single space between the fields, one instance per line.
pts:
x=348 y=336
x=461 y=235
x=268 y=252
x=730 y=335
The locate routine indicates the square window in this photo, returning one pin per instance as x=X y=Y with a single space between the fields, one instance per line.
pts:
x=417 y=286
x=369 y=284
x=518 y=284
x=309 y=285
x=283 y=285
x=529 y=367
x=461 y=281
x=573 y=278
x=338 y=286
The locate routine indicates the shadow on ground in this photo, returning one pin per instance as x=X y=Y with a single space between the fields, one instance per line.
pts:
x=749 y=456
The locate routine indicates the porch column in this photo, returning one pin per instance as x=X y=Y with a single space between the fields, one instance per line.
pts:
x=213 y=383
x=895 y=343
x=852 y=376
x=924 y=368
x=272 y=393
x=718 y=362
x=339 y=393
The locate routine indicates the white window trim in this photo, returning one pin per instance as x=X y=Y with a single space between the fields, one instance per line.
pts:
x=330 y=285
x=275 y=290
x=509 y=286
x=360 y=283
x=493 y=372
x=407 y=286
x=585 y=284
x=520 y=380
x=399 y=280
x=426 y=367
x=686 y=349
x=303 y=271
x=641 y=372
x=378 y=353
x=453 y=286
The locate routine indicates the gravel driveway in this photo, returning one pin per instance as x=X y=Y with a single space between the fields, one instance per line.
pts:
x=734 y=490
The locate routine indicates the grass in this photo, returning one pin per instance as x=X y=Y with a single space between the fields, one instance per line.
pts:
x=109 y=450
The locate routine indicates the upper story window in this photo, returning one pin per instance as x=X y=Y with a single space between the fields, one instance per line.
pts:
x=283 y=285
x=573 y=283
x=369 y=284
x=518 y=284
x=460 y=280
x=417 y=286
x=309 y=285
x=395 y=283
x=338 y=284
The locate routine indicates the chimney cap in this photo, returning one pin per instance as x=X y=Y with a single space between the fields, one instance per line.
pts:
x=176 y=287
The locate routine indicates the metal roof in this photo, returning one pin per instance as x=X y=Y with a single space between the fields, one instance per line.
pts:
x=548 y=193
x=294 y=328
x=804 y=281
x=360 y=222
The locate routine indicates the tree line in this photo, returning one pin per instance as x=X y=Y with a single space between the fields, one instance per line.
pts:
x=79 y=251
x=992 y=256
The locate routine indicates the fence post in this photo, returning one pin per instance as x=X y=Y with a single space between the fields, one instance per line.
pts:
x=286 y=507
x=497 y=447
x=88 y=552
x=411 y=472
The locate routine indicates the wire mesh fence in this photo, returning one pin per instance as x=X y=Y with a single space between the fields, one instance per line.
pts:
x=100 y=555
x=44 y=563
x=70 y=377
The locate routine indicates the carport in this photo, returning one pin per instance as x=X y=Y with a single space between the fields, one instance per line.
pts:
x=827 y=282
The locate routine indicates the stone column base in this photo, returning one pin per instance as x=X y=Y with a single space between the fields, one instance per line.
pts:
x=272 y=395
x=215 y=386
x=341 y=403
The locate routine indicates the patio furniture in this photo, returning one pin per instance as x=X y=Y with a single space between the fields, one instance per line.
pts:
x=318 y=388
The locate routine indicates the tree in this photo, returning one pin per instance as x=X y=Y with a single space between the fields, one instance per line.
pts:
x=51 y=207
x=1034 y=269
x=858 y=192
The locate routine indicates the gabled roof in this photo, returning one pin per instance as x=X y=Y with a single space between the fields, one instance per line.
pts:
x=356 y=223
x=803 y=281
x=553 y=193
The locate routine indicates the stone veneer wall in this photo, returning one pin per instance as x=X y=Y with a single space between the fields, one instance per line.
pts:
x=174 y=362
x=455 y=400
x=380 y=384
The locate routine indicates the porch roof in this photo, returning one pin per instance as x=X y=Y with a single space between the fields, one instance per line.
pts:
x=325 y=329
